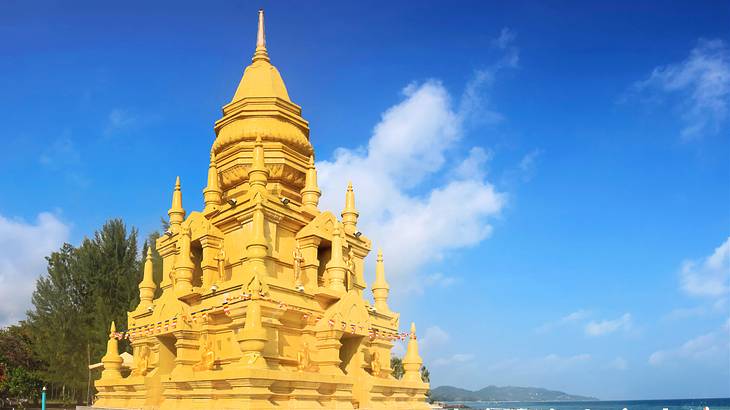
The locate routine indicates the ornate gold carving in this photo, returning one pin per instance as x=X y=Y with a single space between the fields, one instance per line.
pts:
x=207 y=356
x=375 y=363
x=298 y=260
x=141 y=361
x=238 y=174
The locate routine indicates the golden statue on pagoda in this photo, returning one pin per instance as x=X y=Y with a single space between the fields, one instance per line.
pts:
x=262 y=301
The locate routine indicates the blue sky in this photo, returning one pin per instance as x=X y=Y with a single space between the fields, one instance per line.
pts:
x=577 y=156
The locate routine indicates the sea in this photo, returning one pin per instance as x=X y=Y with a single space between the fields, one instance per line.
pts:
x=674 y=404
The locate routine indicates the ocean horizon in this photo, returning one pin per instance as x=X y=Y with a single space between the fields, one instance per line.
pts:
x=654 y=404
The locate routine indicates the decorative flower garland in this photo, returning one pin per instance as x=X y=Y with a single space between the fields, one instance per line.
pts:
x=164 y=325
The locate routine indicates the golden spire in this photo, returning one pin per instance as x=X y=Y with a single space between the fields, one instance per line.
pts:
x=111 y=360
x=252 y=338
x=311 y=192
x=350 y=214
x=184 y=265
x=147 y=286
x=258 y=174
x=412 y=361
x=212 y=193
x=381 y=289
x=336 y=268
x=261 y=53
x=257 y=247
x=176 y=212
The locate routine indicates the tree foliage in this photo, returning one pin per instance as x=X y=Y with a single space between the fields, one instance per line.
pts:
x=84 y=290
x=18 y=378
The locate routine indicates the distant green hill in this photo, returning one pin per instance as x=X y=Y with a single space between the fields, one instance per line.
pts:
x=507 y=393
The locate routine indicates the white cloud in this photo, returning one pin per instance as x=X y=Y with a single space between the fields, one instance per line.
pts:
x=702 y=80
x=23 y=248
x=505 y=42
x=432 y=337
x=710 y=277
x=573 y=317
x=118 y=120
x=458 y=358
x=605 y=327
x=439 y=280
x=414 y=219
x=619 y=363
x=713 y=346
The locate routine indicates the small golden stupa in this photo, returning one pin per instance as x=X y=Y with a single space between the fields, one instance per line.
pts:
x=262 y=303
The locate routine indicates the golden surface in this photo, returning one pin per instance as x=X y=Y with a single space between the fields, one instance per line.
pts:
x=262 y=303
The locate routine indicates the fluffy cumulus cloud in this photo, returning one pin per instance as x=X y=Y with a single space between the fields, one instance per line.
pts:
x=23 y=248
x=605 y=327
x=709 y=277
x=711 y=347
x=702 y=82
x=568 y=319
x=414 y=220
x=416 y=200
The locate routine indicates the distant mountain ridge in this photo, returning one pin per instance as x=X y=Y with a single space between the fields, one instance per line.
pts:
x=506 y=393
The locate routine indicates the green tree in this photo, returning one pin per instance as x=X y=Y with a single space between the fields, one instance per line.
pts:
x=18 y=367
x=84 y=290
x=396 y=363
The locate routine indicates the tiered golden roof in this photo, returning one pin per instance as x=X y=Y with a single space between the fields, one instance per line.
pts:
x=262 y=302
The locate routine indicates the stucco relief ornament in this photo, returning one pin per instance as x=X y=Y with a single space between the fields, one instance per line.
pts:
x=207 y=356
x=171 y=275
x=255 y=287
x=298 y=259
x=375 y=363
x=141 y=361
x=303 y=358
x=350 y=269
x=220 y=258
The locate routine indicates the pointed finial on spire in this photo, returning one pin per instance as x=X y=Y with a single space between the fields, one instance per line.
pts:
x=212 y=194
x=176 y=212
x=311 y=192
x=350 y=214
x=261 y=53
x=147 y=285
x=381 y=289
x=412 y=361
x=112 y=361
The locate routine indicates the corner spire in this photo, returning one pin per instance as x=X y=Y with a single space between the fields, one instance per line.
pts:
x=336 y=268
x=176 y=212
x=311 y=192
x=381 y=289
x=252 y=338
x=412 y=361
x=261 y=53
x=350 y=214
x=257 y=247
x=258 y=174
x=111 y=360
x=212 y=193
x=147 y=286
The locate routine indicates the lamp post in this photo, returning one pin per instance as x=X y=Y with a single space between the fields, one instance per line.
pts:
x=43 y=398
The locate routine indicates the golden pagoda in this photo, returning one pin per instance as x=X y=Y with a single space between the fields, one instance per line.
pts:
x=262 y=301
